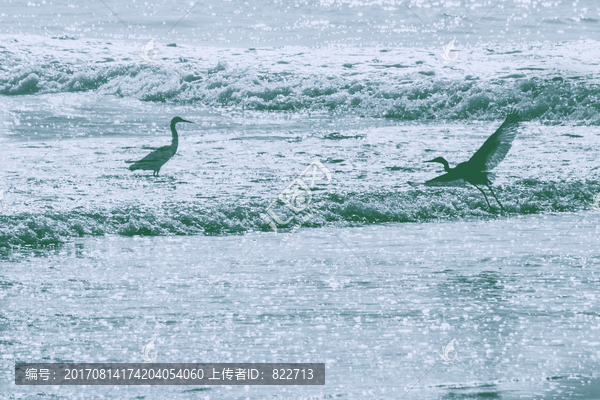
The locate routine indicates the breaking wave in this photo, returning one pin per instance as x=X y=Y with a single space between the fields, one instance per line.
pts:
x=347 y=209
x=551 y=98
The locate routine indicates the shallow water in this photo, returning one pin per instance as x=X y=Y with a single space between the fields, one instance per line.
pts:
x=225 y=175
x=519 y=297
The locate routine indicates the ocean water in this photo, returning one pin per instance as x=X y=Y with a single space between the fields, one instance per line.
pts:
x=96 y=260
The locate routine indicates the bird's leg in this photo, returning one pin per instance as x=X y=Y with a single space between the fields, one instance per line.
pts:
x=486 y=199
x=489 y=187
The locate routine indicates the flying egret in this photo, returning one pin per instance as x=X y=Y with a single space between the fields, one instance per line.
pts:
x=476 y=171
x=155 y=160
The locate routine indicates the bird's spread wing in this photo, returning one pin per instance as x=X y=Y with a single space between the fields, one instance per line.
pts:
x=497 y=146
x=449 y=177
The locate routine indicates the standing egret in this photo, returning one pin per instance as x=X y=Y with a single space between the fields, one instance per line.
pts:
x=476 y=170
x=155 y=160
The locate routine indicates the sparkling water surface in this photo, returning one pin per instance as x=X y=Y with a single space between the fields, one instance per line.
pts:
x=521 y=306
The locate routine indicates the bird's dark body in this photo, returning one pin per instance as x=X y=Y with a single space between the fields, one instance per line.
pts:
x=476 y=171
x=465 y=172
x=155 y=160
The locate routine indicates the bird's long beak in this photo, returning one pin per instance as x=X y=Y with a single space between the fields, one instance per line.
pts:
x=190 y=122
x=428 y=161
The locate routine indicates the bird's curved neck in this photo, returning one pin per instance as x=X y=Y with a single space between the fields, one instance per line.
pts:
x=446 y=165
x=175 y=141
